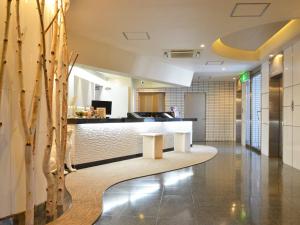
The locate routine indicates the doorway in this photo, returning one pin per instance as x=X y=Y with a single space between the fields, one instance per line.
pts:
x=253 y=112
x=195 y=107
x=275 y=115
x=151 y=101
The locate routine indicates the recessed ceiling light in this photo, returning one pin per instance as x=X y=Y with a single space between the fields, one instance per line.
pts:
x=234 y=78
x=271 y=55
x=224 y=69
x=202 y=46
x=136 y=36
x=256 y=9
x=214 y=63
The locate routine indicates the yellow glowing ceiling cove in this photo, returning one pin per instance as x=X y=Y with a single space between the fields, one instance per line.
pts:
x=290 y=31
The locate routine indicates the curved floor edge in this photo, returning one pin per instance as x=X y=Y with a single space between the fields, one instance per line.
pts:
x=88 y=185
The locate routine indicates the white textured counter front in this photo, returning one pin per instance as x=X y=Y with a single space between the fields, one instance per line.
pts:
x=99 y=141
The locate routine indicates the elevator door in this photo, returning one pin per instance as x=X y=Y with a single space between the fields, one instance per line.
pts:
x=275 y=132
x=195 y=107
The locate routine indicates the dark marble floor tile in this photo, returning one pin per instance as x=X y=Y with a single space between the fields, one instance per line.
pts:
x=237 y=187
x=177 y=206
x=147 y=206
x=177 y=191
x=141 y=220
x=176 y=221
x=149 y=188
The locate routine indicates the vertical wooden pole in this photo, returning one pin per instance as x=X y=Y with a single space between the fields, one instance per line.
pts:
x=20 y=73
x=48 y=83
x=4 y=48
x=64 y=128
x=29 y=160
x=57 y=127
x=28 y=131
x=52 y=60
x=59 y=124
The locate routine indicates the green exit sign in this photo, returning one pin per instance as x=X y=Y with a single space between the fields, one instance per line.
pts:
x=244 y=76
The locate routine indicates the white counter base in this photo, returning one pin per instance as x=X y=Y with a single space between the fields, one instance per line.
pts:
x=101 y=141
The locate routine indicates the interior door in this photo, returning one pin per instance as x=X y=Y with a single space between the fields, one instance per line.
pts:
x=151 y=102
x=195 y=107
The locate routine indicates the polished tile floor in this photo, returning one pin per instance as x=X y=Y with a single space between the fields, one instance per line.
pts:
x=238 y=186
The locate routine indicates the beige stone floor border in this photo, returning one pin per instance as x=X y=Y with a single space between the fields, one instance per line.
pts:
x=88 y=185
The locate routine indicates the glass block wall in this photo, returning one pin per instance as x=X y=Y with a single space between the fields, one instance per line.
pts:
x=248 y=113
x=256 y=112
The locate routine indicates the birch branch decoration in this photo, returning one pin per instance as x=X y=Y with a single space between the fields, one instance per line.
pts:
x=59 y=121
x=20 y=73
x=4 y=48
x=29 y=133
x=59 y=72
x=64 y=129
x=48 y=82
x=74 y=61
x=52 y=21
x=29 y=139
x=53 y=54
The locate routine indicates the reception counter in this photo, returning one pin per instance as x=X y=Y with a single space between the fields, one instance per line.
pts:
x=98 y=141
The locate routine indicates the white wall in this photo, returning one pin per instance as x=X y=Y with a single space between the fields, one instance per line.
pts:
x=119 y=97
x=287 y=111
x=265 y=109
x=113 y=88
x=12 y=163
x=117 y=60
x=291 y=92
x=291 y=103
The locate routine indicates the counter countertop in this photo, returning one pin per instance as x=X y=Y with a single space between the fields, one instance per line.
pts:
x=125 y=120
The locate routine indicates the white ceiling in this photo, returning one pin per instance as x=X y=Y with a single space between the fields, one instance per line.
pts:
x=172 y=24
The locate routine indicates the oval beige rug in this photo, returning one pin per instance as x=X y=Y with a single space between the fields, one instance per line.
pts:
x=86 y=186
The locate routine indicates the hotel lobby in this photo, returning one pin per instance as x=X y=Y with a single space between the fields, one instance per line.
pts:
x=170 y=112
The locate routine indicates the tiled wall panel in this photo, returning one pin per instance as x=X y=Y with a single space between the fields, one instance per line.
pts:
x=265 y=139
x=288 y=145
x=291 y=109
x=288 y=68
x=220 y=102
x=265 y=109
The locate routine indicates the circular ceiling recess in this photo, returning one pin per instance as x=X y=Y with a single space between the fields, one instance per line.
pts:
x=255 y=43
